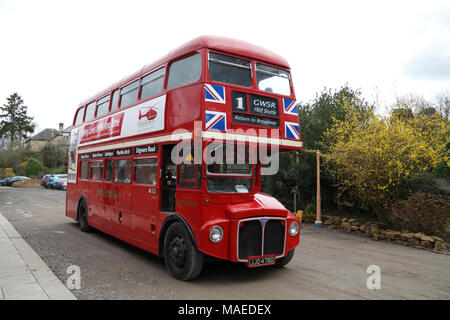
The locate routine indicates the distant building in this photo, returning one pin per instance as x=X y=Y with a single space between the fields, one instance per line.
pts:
x=59 y=137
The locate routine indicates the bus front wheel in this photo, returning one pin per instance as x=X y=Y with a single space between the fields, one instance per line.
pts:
x=82 y=216
x=182 y=259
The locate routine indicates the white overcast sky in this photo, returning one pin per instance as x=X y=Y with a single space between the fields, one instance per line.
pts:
x=57 y=53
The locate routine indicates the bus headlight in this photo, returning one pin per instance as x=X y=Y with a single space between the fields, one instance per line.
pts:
x=216 y=234
x=293 y=229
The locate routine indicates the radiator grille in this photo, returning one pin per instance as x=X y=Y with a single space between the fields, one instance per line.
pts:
x=252 y=233
x=250 y=237
x=274 y=237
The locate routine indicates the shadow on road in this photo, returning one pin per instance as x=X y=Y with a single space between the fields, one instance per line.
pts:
x=214 y=270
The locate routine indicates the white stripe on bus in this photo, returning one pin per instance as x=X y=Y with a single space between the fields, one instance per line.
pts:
x=189 y=135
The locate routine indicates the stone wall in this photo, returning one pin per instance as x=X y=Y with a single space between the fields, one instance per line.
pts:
x=377 y=231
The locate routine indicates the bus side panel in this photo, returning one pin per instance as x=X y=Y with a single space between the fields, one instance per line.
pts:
x=95 y=203
x=107 y=200
x=122 y=216
x=183 y=107
x=189 y=204
x=71 y=201
x=145 y=207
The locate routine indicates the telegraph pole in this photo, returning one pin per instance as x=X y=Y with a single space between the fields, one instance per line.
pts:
x=318 y=222
x=294 y=192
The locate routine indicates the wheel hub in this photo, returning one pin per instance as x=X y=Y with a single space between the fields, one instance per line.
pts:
x=177 y=251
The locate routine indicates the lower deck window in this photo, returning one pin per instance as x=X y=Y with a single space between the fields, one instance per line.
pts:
x=122 y=171
x=108 y=170
x=84 y=170
x=145 y=170
x=97 y=170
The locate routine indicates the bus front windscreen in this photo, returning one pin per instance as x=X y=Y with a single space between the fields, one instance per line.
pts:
x=228 y=69
x=229 y=169
x=272 y=79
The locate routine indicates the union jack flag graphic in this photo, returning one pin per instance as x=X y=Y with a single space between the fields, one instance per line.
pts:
x=290 y=106
x=215 y=120
x=214 y=93
x=291 y=130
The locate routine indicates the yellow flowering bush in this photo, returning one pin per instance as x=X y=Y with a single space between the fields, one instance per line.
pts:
x=372 y=156
x=9 y=172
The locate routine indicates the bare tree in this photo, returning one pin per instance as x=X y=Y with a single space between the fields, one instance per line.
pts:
x=443 y=104
x=415 y=103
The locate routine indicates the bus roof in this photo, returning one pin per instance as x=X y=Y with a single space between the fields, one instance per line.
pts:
x=234 y=46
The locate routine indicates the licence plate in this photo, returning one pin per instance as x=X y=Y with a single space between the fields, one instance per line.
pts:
x=261 y=261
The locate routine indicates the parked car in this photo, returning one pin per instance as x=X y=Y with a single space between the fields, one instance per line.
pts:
x=59 y=182
x=55 y=177
x=44 y=179
x=10 y=181
x=5 y=182
x=47 y=180
x=2 y=182
x=64 y=185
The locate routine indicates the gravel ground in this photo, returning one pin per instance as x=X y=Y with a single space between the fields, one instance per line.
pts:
x=328 y=264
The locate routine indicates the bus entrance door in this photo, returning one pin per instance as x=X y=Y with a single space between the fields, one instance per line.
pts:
x=168 y=179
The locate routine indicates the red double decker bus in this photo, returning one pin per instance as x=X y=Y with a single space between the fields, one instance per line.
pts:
x=170 y=158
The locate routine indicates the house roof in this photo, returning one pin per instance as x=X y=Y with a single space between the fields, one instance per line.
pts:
x=46 y=134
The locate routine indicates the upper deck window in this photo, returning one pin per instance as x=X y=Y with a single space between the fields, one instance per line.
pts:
x=152 y=83
x=102 y=106
x=185 y=71
x=90 y=112
x=227 y=69
x=115 y=100
x=129 y=93
x=272 y=79
x=79 y=117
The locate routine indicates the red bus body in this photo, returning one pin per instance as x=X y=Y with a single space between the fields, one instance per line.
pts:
x=136 y=212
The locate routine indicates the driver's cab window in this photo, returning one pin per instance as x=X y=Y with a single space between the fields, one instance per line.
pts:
x=189 y=173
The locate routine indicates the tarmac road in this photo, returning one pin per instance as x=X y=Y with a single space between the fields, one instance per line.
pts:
x=328 y=264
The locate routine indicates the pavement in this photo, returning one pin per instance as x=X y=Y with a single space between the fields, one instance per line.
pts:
x=23 y=274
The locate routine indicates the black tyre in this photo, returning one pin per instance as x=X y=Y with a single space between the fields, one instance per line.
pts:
x=182 y=259
x=82 y=217
x=285 y=260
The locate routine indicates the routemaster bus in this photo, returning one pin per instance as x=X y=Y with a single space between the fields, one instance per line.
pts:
x=170 y=158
